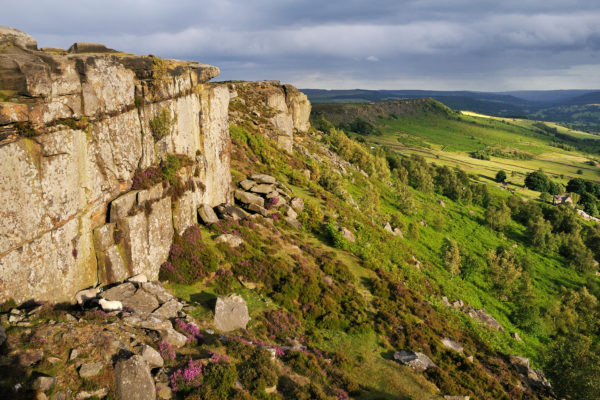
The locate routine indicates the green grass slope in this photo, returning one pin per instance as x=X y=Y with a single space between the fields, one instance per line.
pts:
x=335 y=307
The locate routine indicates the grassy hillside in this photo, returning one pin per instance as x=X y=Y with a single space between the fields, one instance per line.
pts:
x=449 y=138
x=577 y=109
x=391 y=253
x=396 y=253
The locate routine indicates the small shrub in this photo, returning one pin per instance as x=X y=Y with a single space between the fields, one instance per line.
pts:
x=161 y=124
x=256 y=373
x=166 y=351
x=25 y=129
x=187 y=378
x=190 y=258
x=219 y=378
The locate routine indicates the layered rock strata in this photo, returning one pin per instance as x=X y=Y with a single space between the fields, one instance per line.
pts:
x=282 y=109
x=105 y=156
x=75 y=130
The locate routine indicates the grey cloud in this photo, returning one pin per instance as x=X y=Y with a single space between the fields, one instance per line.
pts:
x=342 y=43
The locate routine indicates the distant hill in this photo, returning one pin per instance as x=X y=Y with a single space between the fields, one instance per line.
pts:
x=547 y=96
x=584 y=99
x=574 y=108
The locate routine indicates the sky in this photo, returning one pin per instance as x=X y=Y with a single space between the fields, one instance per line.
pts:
x=477 y=45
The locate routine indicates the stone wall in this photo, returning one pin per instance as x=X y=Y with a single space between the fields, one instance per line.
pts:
x=74 y=129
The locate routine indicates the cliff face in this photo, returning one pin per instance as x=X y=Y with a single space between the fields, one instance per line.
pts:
x=76 y=130
x=280 y=109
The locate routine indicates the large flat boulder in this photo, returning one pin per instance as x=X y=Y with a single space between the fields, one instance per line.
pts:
x=207 y=214
x=133 y=380
x=231 y=313
x=249 y=198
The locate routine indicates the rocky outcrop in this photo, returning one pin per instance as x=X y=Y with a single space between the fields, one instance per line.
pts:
x=533 y=378
x=76 y=129
x=263 y=195
x=88 y=192
x=282 y=109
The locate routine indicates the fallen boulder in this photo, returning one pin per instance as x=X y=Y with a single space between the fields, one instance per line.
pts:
x=297 y=204
x=152 y=357
x=247 y=184
x=88 y=370
x=486 y=318
x=207 y=214
x=231 y=313
x=346 y=233
x=263 y=188
x=229 y=212
x=158 y=291
x=231 y=240
x=451 y=344
x=133 y=380
x=249 y=198
x=141 y=302
x=415 y=360
x=44 y=383
x=263 y=178
x=169 y=309
x=119 y=292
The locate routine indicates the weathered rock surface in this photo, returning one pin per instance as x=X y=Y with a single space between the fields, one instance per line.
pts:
x=249 y=198
x=263 y=178
x=297 y=204
x=207 y=214
x=283 y=106
x=415 y=360
x=44 y=383
x=141 y=302
x=76 y=160
x=86 y=47
x=2 y=336
x=12 y=36
x=229 y=239
x=346 y=233
x=531 y=377
x=451 y=344
x=133 y=380
x=119 y=292
x=258 y=209
x=289 y=212
x=152 y=357
x=231 y=313
x=169 y=309
x=247 y=184
x=157 y=290
x=88 y=370
x=486 y=318
x=229 y=212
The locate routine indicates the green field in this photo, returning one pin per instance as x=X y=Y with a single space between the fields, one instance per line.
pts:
x=447 y=138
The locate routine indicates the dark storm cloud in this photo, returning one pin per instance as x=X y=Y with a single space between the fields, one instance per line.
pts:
x=471 y=44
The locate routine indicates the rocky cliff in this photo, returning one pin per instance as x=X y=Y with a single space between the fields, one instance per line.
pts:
x=278 y=110
x=105 y=156
x=75 y=129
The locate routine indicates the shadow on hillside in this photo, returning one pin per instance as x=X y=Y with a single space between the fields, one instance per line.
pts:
x=387 y=355
x=205 y=300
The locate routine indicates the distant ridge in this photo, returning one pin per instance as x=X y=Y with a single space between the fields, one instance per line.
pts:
x=573 y=108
